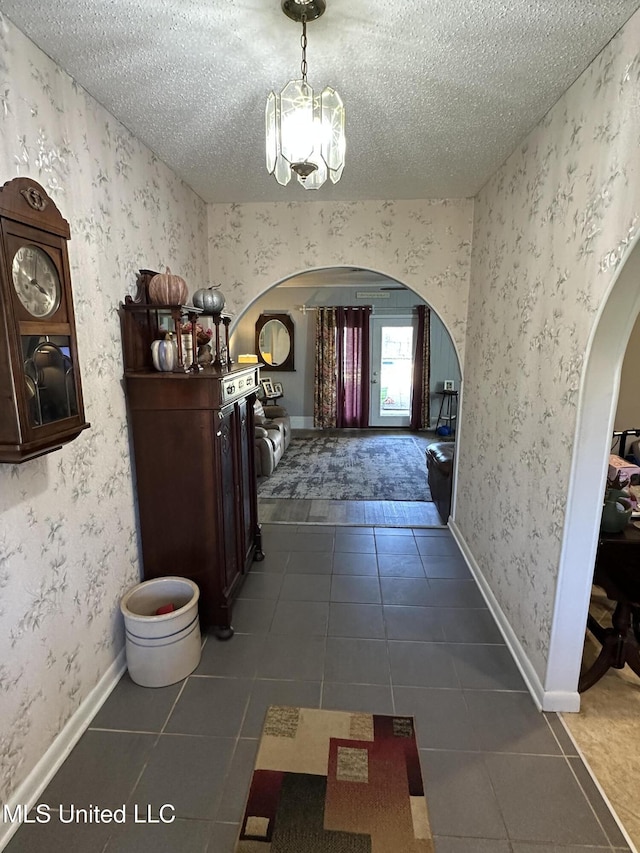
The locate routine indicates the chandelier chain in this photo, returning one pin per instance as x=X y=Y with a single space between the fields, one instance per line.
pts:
x=303 y=44
x=305 y=136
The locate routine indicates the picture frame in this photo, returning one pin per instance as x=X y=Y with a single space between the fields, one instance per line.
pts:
x=448 y=385
x=277 y=389
x=267 y=387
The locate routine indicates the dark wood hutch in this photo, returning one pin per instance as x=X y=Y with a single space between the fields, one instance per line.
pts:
x=192 y=432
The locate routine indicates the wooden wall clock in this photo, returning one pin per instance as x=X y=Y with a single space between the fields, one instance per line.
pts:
x=41 y=405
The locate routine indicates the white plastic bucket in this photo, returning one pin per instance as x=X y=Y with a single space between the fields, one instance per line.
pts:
x=166 y=648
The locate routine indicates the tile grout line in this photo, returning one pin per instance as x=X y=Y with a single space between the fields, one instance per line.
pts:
x=387 y=641
x=159 y=735
x=209 y=641
x=598 y=786
x=591 y=806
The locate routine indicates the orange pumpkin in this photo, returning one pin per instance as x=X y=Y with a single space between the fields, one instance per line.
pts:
x=168 y=289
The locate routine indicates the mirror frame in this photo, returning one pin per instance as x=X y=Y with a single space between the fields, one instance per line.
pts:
x=287 y=322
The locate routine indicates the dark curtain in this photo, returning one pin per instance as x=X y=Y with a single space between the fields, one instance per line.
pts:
x=341 y=397
x=353 y=358
x=420 y=396
x=325 y=386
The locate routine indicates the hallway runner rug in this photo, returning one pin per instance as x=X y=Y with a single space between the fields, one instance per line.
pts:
x=350 y=468
x=336 y=782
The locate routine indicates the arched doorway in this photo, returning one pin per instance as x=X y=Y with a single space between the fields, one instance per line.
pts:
x=596 y=413
x=300 y=293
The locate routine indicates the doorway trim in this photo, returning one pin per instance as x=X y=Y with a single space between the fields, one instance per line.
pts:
x=598 y=398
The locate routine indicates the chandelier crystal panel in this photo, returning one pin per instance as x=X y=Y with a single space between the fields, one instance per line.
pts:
x=304 y=130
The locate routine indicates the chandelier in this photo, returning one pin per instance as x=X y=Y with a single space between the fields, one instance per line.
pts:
x=305 y=131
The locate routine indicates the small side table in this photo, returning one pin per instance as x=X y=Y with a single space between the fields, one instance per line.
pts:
x=448 y=409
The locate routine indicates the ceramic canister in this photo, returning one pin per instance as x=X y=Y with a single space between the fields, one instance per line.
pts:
x=616 y=513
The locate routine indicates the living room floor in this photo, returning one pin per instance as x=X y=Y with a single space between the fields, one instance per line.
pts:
x=396 y=513
x=384 y=513
x=376 y=619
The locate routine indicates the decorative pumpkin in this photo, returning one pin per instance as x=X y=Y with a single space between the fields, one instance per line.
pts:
x=209 y=299
x=165 y=353
x=168 y=289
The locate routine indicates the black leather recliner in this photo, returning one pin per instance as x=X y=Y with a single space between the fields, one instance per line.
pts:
x=440 y=475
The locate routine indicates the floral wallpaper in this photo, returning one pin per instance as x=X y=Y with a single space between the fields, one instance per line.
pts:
x=551 y=226
x=68 y=541
x=423 y=244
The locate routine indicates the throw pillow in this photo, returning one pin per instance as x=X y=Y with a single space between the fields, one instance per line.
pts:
x=258 y=412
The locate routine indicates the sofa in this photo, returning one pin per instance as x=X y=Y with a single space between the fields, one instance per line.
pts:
x=272 y=436
x=440 y=475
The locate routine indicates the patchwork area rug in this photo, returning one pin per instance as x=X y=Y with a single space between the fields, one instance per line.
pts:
x=350 y=468
x=336 y=782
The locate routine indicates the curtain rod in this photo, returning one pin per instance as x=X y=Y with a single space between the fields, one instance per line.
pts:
x=305 y=308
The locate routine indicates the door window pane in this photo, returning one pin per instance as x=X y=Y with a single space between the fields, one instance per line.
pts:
x=396 y=371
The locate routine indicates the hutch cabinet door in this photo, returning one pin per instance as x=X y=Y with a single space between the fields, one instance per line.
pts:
x=229 y=486
x=248 y=504
x=174 y=457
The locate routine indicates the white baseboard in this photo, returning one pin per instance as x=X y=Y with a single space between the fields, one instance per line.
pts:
x=30 y=789
x=545 y=700
x=301 y=422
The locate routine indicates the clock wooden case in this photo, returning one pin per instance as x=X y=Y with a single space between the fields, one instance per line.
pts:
x=40 y=390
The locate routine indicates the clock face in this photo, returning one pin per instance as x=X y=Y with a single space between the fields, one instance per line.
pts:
x=36 y=281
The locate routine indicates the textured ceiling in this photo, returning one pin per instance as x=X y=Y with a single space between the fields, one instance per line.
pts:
x=437 y=92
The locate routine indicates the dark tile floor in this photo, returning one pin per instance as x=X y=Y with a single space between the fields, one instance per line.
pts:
x=356 y=618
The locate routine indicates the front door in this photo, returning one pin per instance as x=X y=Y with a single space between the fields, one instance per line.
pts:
x=392 y=345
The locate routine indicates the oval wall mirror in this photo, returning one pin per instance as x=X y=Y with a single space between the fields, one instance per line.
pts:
x=274 y=340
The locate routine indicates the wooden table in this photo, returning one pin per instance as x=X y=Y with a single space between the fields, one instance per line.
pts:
x=617 y=571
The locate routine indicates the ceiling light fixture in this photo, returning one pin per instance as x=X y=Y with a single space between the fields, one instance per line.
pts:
x=305 y=132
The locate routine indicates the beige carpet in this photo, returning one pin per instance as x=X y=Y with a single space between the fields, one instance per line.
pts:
x=607 y=729
x=336 y=782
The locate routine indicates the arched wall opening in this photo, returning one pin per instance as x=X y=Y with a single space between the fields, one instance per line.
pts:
x=311 y=270
x=596 y=413
x=334 y=277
